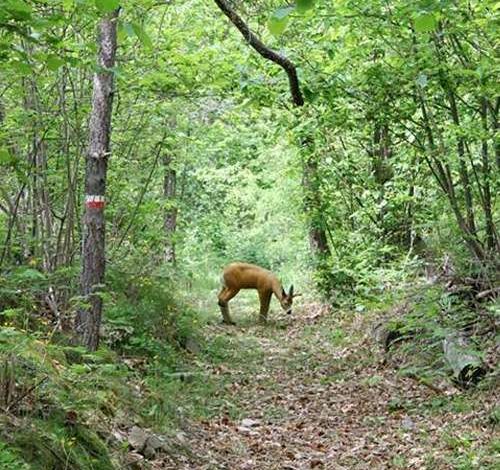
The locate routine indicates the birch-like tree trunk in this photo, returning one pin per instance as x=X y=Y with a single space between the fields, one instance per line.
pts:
x=88 y=320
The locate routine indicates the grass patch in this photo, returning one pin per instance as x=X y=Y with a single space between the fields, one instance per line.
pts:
x=10 y=458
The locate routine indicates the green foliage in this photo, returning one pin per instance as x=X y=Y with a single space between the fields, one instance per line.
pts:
x=5 y=157
x=18 y=9
x=144 y=316
x=425 y=22
x=278 y=20
x=304 y=5
x=54 y=62
x=59 y=448
x=10 y=460
x=363 y=161
x=46 y=440
x=494 y=416
x=141 y=33
x=60 y=415
x=23 y=293
x=107 y=6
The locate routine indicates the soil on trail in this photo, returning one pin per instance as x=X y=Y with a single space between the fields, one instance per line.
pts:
x=312 y=392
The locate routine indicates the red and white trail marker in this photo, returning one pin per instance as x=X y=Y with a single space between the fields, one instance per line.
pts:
x=94 y=201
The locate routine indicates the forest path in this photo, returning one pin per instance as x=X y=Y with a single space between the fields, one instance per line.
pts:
x=310 y=391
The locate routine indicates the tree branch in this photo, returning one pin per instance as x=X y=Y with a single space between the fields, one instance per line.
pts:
x=252 y=39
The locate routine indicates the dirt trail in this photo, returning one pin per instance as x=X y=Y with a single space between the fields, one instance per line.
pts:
x=319 y=397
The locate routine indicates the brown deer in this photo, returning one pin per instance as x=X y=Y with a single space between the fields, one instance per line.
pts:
x=237 y=276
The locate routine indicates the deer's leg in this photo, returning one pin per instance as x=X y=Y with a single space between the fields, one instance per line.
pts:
x=265 y=299
x=225 y=295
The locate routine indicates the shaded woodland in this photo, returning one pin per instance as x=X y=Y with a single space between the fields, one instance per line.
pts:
x=351 y=149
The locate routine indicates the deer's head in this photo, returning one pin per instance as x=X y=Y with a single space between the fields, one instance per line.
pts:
x=287 y=299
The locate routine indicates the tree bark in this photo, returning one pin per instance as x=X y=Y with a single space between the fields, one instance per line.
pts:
x=88 y=320
x=251 y=38
x=463 y=171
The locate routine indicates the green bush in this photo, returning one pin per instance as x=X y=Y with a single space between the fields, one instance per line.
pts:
x=144 y=315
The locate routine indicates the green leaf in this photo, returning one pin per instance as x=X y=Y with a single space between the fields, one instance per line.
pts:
x=22 y=67
x=142 y=35
x=304 y=5
x=425 y=23
x=278 y=20
x=54 y=62
x=5 y=157
x=107 y=6
x=19 y=9
x=29 y=274
x=12 y=313
x=19 y=5
x=283 y=12
x=129 y=29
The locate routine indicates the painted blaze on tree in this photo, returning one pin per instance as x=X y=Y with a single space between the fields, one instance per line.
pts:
x=88 y=319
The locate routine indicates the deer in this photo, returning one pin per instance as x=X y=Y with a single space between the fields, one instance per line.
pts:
x=237 y=276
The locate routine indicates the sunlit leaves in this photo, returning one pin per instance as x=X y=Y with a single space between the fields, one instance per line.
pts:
x=127 y=27
x=425 y=23
x=279 y=19
x=135 y=30
x=54 y=62
x=142 y=35
x=18 y=9
x=107 y=6
x=23 y=68
x=304 y=5
x=5 y=157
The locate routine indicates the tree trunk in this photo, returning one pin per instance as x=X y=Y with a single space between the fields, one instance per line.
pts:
x=88 y=320
x=442 y=174
x=170 y=222
x=318 y=241
x=487 y=205
x=463 y=171
x=380 y=153
x=251 y=38
x=494 y=128
x=42 y=220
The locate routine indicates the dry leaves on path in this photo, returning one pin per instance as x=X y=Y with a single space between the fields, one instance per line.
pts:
x=318 y=403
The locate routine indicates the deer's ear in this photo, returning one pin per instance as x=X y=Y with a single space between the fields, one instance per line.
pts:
x=283 y=292
x=290 y=293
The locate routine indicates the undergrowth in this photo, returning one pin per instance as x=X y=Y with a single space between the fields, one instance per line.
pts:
x=60 y=405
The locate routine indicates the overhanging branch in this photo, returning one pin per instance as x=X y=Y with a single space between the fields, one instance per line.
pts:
x=252 y=39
